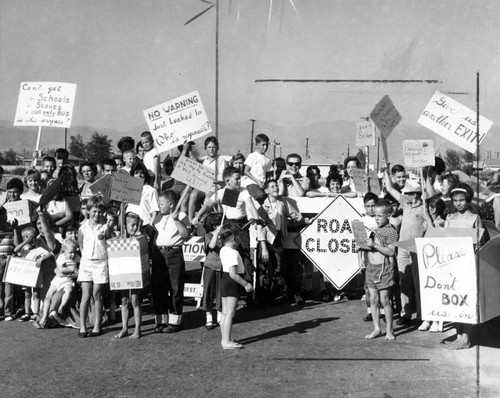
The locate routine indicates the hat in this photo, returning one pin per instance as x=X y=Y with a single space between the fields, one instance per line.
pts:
x=412 y=186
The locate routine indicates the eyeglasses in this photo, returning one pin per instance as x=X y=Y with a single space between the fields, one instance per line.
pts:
x=293 y=164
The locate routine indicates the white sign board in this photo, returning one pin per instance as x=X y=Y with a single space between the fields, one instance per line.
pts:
x=447 y=274
x=22 y=272
x=19 y=210
x=194 y=249
x=454 y=121
x=126 y=189
x=194 y=174
x=418 y=153
x=328 y=241
x=45 y=104
x=385 y=116
x=365 y=133
x=177 y=121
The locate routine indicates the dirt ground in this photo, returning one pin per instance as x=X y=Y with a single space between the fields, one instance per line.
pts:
x=315 y=350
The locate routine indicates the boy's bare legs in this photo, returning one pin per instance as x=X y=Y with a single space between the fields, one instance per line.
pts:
x=228 y=311
x=124 y=311
x=136 y=305
x=84 y=305
x=36 y=301
x=374 y=305
x=385 y=300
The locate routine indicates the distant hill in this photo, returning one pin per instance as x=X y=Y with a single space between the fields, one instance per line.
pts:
x=327 y=141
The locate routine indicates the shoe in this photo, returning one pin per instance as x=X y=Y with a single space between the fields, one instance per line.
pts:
x=95 y=334
x=9 y=318
x=436 y=327
x=232 y=346
x=159 y=328
x=210 y=326
x=24 y=318
x=425 y=326
x=338 y=297
x=83 y=334
x=368 y=318
x=403 y=321
x=172 y=328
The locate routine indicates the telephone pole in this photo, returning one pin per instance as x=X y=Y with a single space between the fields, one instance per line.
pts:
x=251 y=136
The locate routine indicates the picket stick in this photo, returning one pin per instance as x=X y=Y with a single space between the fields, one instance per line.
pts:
x=35 y=158
x=423 y=185
x=183 y=196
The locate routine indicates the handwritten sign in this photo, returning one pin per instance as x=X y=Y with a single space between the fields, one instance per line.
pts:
x=22 y=272
x=374 y=183
x=45 y=104
x=385 y=116
x=19 y=210
x=454 y=121
x=365 y=133
x=359 y=177
x=177 y=121
x=102 y=187
x=359 y=231
x=447 y=275
x=126 y=189
x=418 y=153
x=194 y=174
x=328 y=241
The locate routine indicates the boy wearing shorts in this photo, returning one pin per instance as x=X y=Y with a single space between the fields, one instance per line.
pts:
x=379 y=262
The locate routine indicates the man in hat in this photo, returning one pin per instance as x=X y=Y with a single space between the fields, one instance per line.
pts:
x=412 y=226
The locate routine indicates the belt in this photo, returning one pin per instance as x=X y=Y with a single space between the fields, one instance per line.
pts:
x=170 y=248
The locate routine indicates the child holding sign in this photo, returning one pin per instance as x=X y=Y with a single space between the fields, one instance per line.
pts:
x=379 y=262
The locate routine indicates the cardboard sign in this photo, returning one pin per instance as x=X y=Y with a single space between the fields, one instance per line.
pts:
x=102 y=187
x=418 y=153
x=454 y=121
x=489 y=280
x=385 y=116
x=447 y=274
x=19 y=210
x=128 y=263
x=374 y=183
x=193 y=290
x=177 y=121
x=194 y=249
x=21 y=271
x=194 y=174
x=328 y=241
x=230 y=197
x=45 y=104
x=360 y=236
x=126 y=189
x=359 y=178
x=365 y=133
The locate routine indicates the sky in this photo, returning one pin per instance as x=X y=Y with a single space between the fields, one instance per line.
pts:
x=127 y=55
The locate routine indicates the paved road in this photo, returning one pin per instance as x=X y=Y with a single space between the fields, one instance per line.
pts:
x=316 y=350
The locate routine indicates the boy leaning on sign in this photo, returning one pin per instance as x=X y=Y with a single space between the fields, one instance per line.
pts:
x=168 y=267
x=9 y=239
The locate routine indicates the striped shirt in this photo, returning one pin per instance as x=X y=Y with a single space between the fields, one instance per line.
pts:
x=6 y=243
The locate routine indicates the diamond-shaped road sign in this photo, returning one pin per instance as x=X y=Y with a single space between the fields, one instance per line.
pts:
x=328 y=242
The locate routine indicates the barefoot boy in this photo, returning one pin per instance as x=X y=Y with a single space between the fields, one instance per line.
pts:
x=379 y=261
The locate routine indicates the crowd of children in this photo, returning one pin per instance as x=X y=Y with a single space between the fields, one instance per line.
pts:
x=71 y=227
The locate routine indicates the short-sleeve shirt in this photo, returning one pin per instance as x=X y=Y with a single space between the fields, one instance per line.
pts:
x=168 y=232
x=94 y=241
x=149 y=204
x=465 y=220
x=230 y=258
x=259 y=165
x=412 y=225
x=149 y=160
x=290 y=190
x=238 y=212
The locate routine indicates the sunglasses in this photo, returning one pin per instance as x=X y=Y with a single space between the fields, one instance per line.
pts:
x=293 y=164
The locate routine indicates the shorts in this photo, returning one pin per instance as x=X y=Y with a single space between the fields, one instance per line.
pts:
x=228 y=287
x=61 y=282
x=379 y=276
x=95 y=271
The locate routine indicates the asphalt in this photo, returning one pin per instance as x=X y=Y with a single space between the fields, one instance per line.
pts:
x=315 y=350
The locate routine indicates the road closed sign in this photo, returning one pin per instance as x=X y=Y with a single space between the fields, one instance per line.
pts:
x=328 y=241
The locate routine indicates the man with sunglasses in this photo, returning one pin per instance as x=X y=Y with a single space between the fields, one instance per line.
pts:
x=291 y=182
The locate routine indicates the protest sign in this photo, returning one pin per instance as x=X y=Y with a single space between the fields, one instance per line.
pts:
x=45 y=104
x=365 y=133
x=359 y=231
x=374 y=183
x=194 y=174
x=177 y=121
x=359 y=178
x=126 y=189
x=102 y=187
x=418 y=153
x=489 y=280
x=385 y=116
x=230 y=197
x=128 y=263
x=328 y=241
x=22 y=272
x=19 y=210
x=194 y=249
x=454 y=121
x=447 y=274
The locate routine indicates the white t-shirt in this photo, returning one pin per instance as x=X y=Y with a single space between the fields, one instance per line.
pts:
x=168 y=233
x=149 y=204
x=148 y=160
x=238 y=212
x=34 y=197
x=259 y=165
x=229 y=258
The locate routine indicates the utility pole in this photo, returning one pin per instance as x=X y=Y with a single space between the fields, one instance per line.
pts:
x=307 y=149
x=274 y=148
x=347 y=150
x=251 y=136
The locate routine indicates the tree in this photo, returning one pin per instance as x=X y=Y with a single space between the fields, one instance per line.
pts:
x=452 y=159
x=77 y=147
x=98 y=148
x=2 y=159
x=10 y=157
